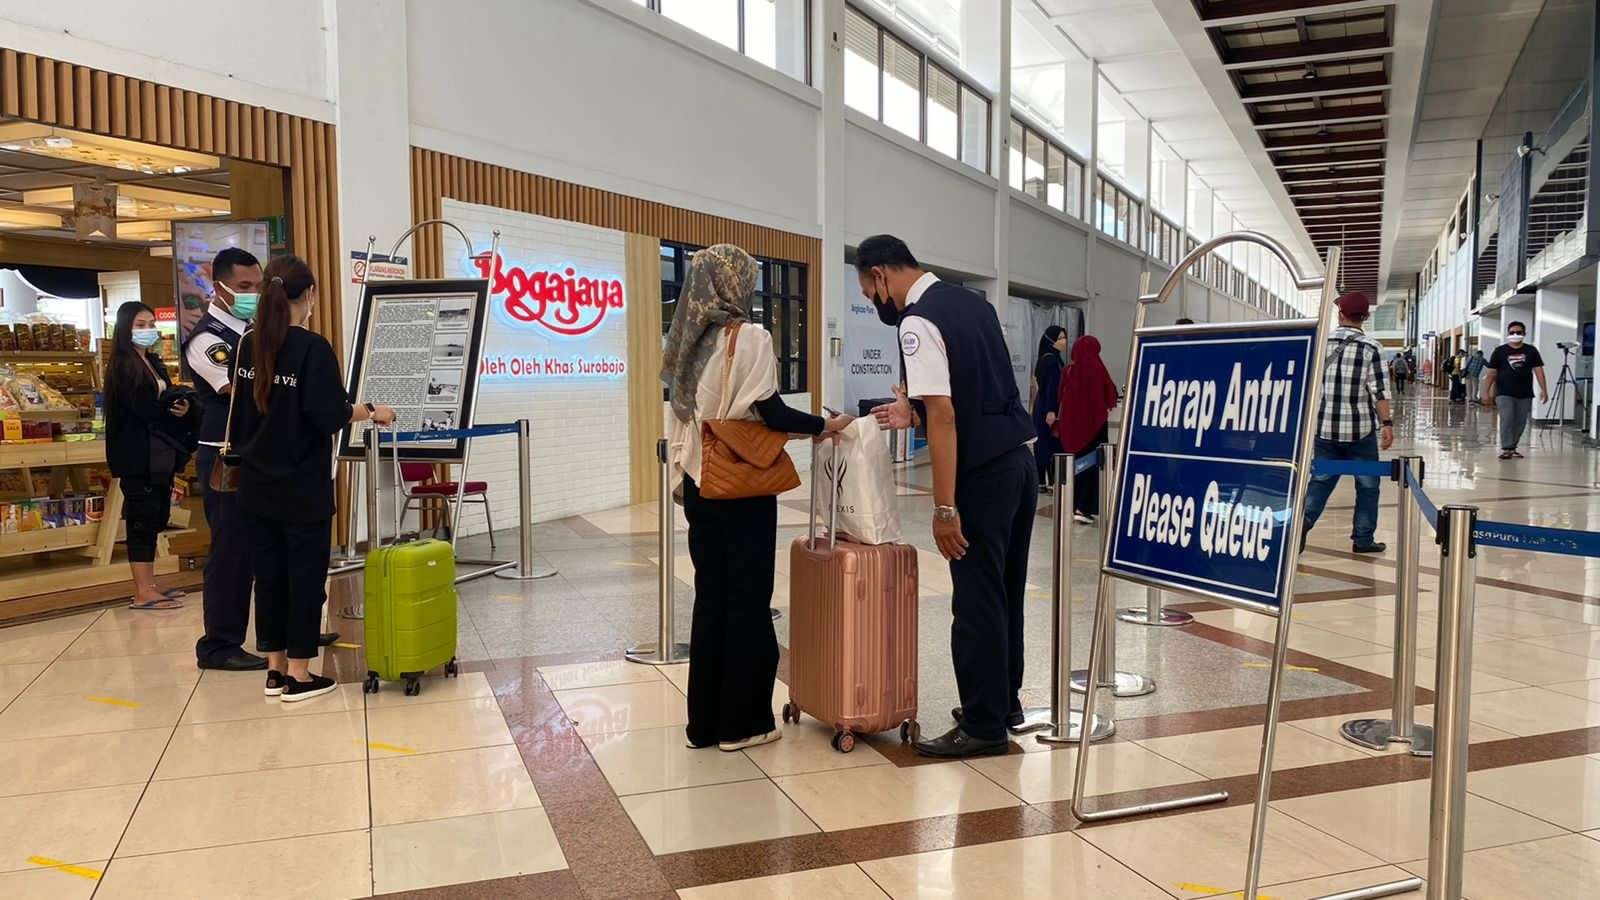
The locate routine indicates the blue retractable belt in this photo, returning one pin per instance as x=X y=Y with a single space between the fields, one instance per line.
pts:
x=1381 y=468
x=449 y=434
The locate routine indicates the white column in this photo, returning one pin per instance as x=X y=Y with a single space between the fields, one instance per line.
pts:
x=828 y=70
x=1555 y=322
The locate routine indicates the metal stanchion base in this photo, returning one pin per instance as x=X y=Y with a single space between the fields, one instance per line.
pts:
x=1073 y=733
x=1403 y=886
x=1126 y=684
x=648 y=655
x=776 y=613
x=1378 y=734
x=538 y=572
x=1140 y=615
x=1034 y=718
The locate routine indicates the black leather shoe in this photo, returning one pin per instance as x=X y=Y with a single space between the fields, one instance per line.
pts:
x=957 y=744
x=1373 y=547
x=237 y=661
x=326 y=638
x=1014 y=720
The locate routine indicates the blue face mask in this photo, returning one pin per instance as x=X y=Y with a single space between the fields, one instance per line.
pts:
x=145 y=337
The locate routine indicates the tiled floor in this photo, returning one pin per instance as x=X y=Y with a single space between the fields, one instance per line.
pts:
x=554 y=769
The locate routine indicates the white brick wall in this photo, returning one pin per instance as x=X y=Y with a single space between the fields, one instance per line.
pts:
x=579 y=425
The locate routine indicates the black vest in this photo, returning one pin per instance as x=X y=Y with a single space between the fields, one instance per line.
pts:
x=220 y=343
x=990 y=418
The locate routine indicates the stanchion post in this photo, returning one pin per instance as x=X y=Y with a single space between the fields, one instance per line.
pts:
x=525 y=570
x=1401 y=727
x=1452 y=699
x=665 y=651
x=1066 y=722
x=1122 y=684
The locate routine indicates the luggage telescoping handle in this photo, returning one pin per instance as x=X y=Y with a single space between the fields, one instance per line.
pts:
x=833 y=505
x=399 y=506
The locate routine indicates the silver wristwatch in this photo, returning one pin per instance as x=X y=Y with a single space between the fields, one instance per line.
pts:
x=944 y=513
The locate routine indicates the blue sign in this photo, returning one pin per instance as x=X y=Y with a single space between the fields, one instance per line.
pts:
x=1208 y=479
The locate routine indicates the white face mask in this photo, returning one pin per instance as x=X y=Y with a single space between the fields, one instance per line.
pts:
x=1514 y=339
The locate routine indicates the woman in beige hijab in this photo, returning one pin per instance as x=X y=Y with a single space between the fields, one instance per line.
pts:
x=733 y=652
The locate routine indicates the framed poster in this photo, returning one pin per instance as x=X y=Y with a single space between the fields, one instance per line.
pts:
x=417 y=348
x=194 y=245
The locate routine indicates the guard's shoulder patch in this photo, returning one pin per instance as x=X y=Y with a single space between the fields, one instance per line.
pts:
x=910 y=343
x=220 y=353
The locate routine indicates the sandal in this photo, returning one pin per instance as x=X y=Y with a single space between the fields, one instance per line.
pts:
x=175 y=594
x=1516 y=455
x=163 y=603
x=1505 y=454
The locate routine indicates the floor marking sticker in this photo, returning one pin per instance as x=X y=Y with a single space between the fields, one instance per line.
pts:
x=1209 y=890
x=633 y=564
x=1286 y=666
x=391 y=748
x=80 y=871
x=346 y=645
x=114 y=701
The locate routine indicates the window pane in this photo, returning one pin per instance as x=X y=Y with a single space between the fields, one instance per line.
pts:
x=716 y=19
x=974 y=129
x=902 y=87
x=1055 y=177
x=860 y=63
x=1014 y=157
x=1033 y=168
x=1122 y=216
x=775 y=34
x=944 y=92
x=1074 y=188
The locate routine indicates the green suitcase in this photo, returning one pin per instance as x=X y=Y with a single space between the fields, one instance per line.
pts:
x=410 y=596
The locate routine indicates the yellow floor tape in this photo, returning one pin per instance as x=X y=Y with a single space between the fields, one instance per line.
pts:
x=1287 y=666
x=1215 y=892
x=115 y=701
x=390 y=748
x=345 y=645
x=80 y=871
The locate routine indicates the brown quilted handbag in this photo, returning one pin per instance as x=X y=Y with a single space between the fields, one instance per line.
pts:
x=742 y=457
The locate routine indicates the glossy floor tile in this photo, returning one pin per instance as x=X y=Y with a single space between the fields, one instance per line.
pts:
x=117 y=675
x=219 y=748
x=1534 y=711
x=843 y=882
x=117 y=709
x=453 y=783
x=715 y=815
x=624 y=707
x=1237 y=751
x=435 y=727
x=882 y=794
x=324 y=865
x=599 y=674
x=435 y=689
x=647 y=760
x=1567 y=866
x=69 y=826
x=1563 y=791
x=463 y=849
x=53 y=880
x=1113 y=767
x=808 y=747
x=1049 y=866
x=236 y=696
x=73 y=762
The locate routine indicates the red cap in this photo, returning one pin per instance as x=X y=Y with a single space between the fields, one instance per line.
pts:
x=1354 y=305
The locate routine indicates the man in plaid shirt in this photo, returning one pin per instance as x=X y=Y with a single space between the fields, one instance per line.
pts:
x=1355 y=406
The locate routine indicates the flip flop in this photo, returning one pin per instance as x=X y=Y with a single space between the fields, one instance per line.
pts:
x=164 y=603
x=175 y=594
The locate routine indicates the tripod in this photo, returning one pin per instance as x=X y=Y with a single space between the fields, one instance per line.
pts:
x=1559 y=397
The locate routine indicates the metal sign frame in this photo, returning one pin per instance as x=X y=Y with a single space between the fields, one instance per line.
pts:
x=1326 y=284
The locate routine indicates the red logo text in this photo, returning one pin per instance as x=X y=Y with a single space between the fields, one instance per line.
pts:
x=563 y=302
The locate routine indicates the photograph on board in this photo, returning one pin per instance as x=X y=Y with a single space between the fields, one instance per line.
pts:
x=444 y=387
x=449 y=347
x=455 y=313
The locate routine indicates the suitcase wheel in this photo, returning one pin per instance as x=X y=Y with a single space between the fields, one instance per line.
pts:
x=910 y=731
x=844 y=741
x=451 y=669
x=791 y=713
x=413 y=686
x=371 y=685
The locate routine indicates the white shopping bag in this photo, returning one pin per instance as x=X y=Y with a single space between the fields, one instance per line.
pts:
x=856 y=473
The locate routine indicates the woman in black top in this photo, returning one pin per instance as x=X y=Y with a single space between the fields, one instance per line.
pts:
x=290 y=401
x=149 y=436
x=1046 y=376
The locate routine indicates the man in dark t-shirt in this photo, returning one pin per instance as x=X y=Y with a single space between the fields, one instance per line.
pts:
x=1513 y=368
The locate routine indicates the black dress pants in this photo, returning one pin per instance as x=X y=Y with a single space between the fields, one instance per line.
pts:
x=733 y=651
x=226 y=600
x=997 y=502
x=291 y=574
x=146 y=507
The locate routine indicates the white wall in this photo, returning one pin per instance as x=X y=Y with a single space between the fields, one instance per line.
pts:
x=1047 y=252
x=272 y=54
x=596 y=94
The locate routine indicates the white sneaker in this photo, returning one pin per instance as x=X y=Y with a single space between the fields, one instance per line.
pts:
x=754 y=740
x=1082 y=519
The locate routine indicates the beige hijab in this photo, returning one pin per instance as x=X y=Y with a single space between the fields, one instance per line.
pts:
x=716 y=291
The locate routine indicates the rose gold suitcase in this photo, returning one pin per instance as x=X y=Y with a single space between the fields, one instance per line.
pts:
x=852 y=634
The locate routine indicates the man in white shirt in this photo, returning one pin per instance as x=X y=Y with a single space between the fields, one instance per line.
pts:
x=960 y=387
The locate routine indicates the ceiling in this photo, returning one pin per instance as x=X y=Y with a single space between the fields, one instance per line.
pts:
x=1143 y=59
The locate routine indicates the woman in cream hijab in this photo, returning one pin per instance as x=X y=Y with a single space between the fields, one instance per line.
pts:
x=733 y=652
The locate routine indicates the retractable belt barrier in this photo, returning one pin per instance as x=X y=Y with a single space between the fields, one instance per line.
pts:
x=1084 y=463
x=449 y=434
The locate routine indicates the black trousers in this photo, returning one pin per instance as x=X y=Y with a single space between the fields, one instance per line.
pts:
x=1086 y=484
x=733 y=651
x=146 y=507
x=997 y=502
x=291 y=573
x=226 y=599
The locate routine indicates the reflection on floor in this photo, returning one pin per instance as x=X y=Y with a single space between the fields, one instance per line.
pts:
x=550 y=768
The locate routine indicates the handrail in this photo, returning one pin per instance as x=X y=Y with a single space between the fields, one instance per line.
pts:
x=413 y=230
x=1301 y=282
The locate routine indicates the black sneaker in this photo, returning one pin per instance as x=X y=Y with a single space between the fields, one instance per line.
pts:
x=295 y=690
x=275 y=682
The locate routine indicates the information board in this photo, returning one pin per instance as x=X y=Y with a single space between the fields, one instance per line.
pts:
x=1208 y=483
x=417 y=348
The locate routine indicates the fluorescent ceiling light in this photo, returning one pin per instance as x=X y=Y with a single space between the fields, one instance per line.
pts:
x=138 y=201
x=94 y=149
x=15 y=217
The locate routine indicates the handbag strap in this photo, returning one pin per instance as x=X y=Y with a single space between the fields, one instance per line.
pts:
x=727 y=368
x=233 y=393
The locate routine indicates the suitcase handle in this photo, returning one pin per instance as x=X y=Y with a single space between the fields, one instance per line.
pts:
x=399 y=506
x=833 y=507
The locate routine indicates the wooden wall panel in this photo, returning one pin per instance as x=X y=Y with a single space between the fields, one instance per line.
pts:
x=642 y=274
x=69 y=95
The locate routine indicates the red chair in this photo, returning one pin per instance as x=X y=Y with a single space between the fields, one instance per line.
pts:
x=419 y=488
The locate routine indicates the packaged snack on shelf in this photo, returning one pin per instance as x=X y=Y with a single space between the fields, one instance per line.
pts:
x=29 y=517
x=50 y=512
x=24 y=336
x=94 y=507
x=9 y=521
x=8 y=339
x=75 y=511
x=10 y=428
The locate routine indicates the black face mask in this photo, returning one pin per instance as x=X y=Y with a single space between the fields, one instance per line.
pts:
x=888 y=313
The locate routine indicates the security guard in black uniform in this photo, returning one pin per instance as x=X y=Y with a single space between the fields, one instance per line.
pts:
x=985 y=485
x=208 y=351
